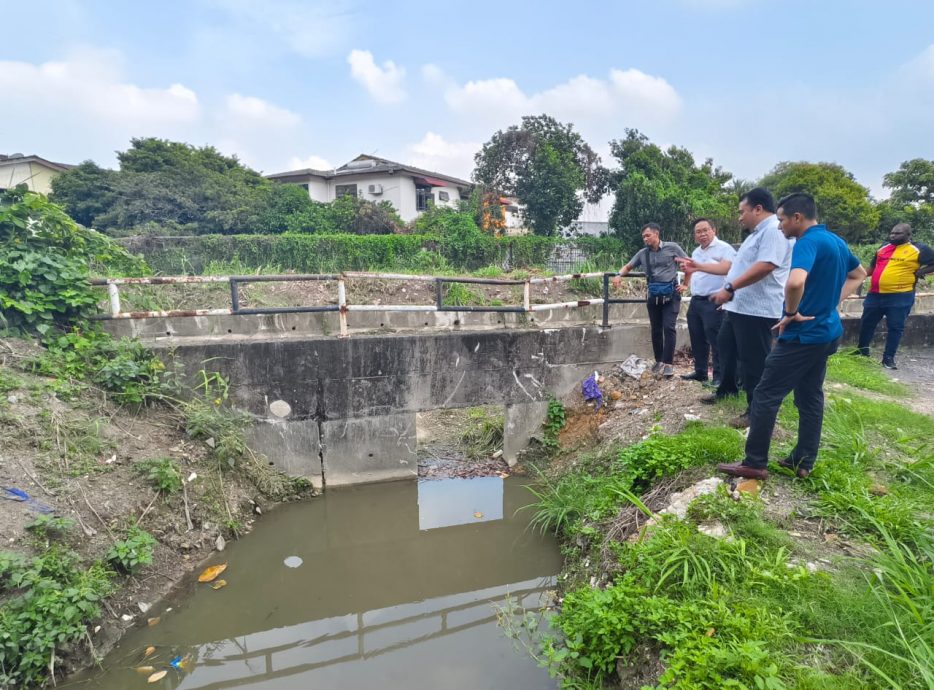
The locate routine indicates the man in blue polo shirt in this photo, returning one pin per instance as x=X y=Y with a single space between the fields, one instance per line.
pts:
x=823 y=272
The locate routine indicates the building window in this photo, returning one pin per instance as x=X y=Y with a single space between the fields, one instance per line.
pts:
x=444 y=196
x=422 y=198
x=345 y=190
x=304 y=186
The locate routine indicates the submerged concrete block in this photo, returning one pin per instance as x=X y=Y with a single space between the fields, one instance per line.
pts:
x=369 y=449
x=294 y=447
x=522 y=421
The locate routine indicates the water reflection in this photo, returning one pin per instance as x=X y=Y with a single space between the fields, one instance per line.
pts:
x=396 y=590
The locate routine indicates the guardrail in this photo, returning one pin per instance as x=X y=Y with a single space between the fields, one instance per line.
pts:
x=343 y=307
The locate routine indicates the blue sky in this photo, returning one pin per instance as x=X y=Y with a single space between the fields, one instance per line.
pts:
x=289 y=83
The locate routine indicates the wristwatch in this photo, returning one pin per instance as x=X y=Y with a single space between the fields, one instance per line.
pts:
x=729 y=288
x=788 y=314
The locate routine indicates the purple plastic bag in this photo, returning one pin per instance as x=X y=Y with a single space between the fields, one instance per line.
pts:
x=591 y=391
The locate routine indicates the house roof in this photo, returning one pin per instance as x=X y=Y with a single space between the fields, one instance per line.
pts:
x=363 y=164
x=18 y=158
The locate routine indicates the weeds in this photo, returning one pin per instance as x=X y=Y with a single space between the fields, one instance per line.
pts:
x=555 y=420
x=462 y=295
x=484 y=433
x=130 y=554
x=163 y=473
x=862 y=372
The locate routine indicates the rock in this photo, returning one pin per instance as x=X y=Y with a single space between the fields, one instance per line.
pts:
x=126 y=618
x=220 y=543
x=682 y=499
x=210 y=442
x=143 y=606
x=12 y=399
x=691 y=417
x=749 y=486
x=498 y=454
x=257 y=510
x=713 y=529
x=879 y=490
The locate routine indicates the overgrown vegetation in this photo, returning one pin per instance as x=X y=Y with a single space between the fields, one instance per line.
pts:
x=677 y=608
x=483 y=434
x=133 y=552
x=162 y=473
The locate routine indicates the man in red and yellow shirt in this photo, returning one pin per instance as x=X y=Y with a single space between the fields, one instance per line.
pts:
x=895 y=270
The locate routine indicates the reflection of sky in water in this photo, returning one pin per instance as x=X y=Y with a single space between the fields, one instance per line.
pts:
x=448 y=502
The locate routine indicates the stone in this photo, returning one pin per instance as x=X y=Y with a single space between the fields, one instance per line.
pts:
x=713 y=529
x=143 y=606
x=220 y=543
x=879 y=490
x=615 y=395
x=679 y=502
x=280 y=408
x=749 y=486
x=12 y=399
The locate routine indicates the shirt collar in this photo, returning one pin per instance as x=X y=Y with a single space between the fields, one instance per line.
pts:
x=764 y=223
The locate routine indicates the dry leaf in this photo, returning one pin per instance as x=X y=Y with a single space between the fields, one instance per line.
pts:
x=157 y=676
x=710 y=632
x=143 y=670
x=219 y=584
x=149 y=651
x=154 y=621
x=212 y=572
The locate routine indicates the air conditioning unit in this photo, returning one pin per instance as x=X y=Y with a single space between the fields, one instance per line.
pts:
x=375 y=189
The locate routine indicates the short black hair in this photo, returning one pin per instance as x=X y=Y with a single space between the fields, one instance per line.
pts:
x=759 y=196
x=902 y=225
x=652 y=226
x=799 y=202
x=703 y=220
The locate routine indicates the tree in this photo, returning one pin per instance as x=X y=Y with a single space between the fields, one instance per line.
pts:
x=912 y=199
x=843 y=204
x=547 y=165
x=85 y=191
x=668 y=188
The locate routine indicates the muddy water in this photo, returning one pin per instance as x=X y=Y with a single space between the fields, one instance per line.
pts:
x=386 y=586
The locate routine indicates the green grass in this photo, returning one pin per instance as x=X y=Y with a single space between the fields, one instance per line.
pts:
x=862 y=372
x=483 y=433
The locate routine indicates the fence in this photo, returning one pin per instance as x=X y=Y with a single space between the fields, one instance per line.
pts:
x=343 y=307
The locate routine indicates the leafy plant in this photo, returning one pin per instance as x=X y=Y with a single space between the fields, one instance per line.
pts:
x=555 y=420
x=162 y=473
x=130 y=554
x=461 y=295
x=48 y=528
x=45 y=604
x=483 y=433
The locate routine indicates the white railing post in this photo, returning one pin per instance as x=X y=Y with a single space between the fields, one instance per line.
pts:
x=114 y=292
x=527 y=295
x=342 y=304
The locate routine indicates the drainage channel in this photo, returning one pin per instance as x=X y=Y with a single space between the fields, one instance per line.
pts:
x=389 y=585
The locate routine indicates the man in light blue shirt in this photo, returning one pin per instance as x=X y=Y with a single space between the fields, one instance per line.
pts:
x=706 y=273
x=752 y=298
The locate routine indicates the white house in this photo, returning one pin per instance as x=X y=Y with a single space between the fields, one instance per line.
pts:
x=34 y=172
x=407 y=188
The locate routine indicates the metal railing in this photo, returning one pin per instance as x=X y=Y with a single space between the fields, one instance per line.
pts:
x=343 y=307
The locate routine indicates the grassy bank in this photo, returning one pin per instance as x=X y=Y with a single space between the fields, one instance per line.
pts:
x=826 y=582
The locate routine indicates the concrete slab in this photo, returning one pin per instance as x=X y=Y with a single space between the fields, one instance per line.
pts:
x=369 y=449
x=522 y=422
x=294 y=447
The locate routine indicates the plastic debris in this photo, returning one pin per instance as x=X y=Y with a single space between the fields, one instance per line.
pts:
x=591 y=390
x=218 y=584
x=478 y=515
x=157 y=676
x=220 y=543
x=210 y=573
x=11 y=493
x=143 y=606
x=634 y=366
x=153 y=621
x=293 y=562
x=176 y=662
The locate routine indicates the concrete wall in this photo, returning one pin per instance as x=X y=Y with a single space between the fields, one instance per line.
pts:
x=352 y=402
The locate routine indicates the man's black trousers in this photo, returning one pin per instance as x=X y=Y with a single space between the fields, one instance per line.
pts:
x=744 y=340
x=662 y=319
x=704 y=321
x=790 y=367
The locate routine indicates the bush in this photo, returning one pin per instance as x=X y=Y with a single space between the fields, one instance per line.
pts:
x=162 y=473
x=45 y=262
x=130 y=554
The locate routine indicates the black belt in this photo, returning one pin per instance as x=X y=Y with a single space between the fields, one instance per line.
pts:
x=706 y=298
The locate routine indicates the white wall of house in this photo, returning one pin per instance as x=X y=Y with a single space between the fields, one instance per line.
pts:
x=36 y=177
x=318 y=189
x=453 y=196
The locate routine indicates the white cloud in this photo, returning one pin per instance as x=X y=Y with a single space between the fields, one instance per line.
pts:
x=90 y=83
x=383 y=82
x=257 y=112
x=435 y=153
x=313 y=162
x=310 y=28
x=629 y=93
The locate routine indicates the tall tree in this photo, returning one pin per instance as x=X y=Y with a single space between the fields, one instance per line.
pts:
x=548 y=166
x=912 y=199
x=669 y=188
x=843 y=204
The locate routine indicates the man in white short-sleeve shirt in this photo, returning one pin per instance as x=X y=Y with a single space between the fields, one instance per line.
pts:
x=705 y=274
x=752 y=298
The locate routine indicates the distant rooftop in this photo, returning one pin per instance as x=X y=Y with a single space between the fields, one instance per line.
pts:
x=369 y=164
x=18 y=158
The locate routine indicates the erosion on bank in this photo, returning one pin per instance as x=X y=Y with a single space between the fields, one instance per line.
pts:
x=820 y=583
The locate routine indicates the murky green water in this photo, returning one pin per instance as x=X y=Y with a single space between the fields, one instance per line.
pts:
x=383 y=586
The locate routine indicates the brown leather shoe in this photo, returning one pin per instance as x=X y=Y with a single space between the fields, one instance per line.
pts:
x=799 y=472
x=738 y=469
x=741 y=422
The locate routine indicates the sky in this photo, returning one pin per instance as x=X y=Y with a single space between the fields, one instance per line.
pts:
x=288 y=84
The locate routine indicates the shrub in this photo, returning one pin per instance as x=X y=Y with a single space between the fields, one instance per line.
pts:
x=130 y=554
x=162 y=473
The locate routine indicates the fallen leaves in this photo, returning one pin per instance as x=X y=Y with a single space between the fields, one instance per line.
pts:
x=149 y=651
x=157 y=676
x=144 y=670
x=218 y=584
x=154 y=621
x=211 y=573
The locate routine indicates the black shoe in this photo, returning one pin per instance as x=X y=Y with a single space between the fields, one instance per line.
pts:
x=694 y=377
x=710 y=399
x=889 y=363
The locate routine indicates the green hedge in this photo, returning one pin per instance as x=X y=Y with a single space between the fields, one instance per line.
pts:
x=333 y=253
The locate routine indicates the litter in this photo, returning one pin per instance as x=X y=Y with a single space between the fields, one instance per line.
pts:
x=14 y=494
x=210 y=573
x=634 y=366
x=591 y=390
